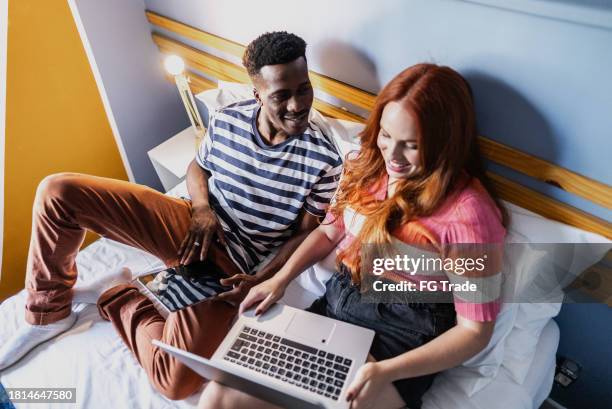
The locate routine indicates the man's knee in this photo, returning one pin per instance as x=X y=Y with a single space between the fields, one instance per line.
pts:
x=56 y=185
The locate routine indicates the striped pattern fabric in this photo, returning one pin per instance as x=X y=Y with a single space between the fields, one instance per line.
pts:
x=469 y=217
x=257 y=190
x=178 y=292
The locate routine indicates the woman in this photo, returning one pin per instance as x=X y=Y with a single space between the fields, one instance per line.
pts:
x=418 y=179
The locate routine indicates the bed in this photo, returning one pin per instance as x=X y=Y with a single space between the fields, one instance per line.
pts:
x=92 y=358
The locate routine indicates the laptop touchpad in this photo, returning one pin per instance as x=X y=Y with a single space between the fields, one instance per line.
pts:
x=312 y=327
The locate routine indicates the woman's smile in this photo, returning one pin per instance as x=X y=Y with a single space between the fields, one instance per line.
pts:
x=398 y=167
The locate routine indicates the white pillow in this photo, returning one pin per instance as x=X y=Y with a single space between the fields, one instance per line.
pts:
x=478 y=371
x=573 y=250
x=344 y=133
x=227 y=93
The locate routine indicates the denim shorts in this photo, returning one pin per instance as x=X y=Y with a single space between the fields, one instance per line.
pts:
x=399 y=327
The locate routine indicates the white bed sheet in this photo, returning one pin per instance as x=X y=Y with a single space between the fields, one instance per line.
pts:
x=93 y=359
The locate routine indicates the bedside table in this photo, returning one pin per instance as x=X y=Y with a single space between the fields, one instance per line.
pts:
x=171 y=158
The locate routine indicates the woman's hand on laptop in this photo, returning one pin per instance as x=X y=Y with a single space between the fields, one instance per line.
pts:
x=266 y=293
x=242 y=284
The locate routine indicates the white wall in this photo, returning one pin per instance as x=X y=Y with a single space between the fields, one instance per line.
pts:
x=142 y=107
x=3 y=55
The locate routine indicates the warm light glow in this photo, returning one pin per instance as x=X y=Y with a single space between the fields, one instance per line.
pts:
x=174 y=64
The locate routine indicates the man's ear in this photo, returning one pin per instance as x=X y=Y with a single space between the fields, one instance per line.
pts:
x=256 y=95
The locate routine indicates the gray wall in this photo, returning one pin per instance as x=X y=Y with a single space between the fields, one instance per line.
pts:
x=143 y=108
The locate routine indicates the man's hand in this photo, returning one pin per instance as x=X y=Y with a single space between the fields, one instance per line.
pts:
x=242 y=283
x=204 y=225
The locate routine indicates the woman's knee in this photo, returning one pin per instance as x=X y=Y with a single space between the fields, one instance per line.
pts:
x=177 y=388
x=213 y=396
x=217 y=396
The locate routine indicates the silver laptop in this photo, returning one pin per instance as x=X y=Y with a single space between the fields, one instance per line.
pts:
x=286 y=356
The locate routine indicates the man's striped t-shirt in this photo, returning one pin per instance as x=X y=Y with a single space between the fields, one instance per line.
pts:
x=258 y=190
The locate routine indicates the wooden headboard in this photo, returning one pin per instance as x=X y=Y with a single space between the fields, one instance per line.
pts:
x=597 y=282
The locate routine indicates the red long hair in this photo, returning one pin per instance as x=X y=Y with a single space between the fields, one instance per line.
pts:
x=441 y=101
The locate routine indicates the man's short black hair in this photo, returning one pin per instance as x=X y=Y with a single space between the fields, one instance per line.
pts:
x=278 y=47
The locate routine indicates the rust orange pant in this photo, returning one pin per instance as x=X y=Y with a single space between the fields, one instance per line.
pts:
x=66 y=206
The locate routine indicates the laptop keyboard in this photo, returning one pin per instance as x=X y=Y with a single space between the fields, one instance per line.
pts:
x=304 y=366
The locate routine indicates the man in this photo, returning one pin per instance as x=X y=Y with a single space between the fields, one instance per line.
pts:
x=261 y=179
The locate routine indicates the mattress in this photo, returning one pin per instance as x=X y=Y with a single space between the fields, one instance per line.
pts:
x=92 y=358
